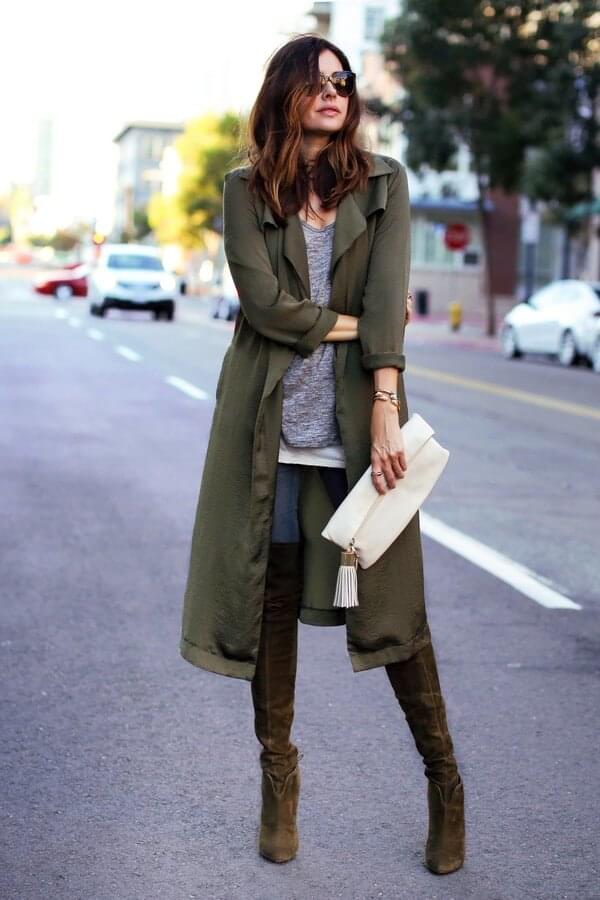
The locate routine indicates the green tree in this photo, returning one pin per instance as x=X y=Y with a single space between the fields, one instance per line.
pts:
x=5 y=228
x=141 y=226
x=516 y=83
x=208 y=148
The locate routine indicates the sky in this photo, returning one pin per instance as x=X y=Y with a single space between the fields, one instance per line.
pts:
x=92 y=67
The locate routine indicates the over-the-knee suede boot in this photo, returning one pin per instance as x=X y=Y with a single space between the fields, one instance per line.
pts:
x=417 y=687
x=273 y=688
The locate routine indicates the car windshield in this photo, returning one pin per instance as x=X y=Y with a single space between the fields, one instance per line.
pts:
x=134 y=261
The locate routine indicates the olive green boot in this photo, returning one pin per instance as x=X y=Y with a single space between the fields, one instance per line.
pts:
x=278 y=838
x=417 y=687
x=273 y=690
x=445 y=848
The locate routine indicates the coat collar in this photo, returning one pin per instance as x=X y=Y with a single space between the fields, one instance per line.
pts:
x=351 y=219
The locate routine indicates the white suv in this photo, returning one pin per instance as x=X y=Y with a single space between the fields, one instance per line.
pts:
x=131 y=276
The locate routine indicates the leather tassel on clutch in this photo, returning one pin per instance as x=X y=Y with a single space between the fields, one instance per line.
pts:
x=346 y=588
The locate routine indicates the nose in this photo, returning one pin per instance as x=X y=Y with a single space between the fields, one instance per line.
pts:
x=329 y=90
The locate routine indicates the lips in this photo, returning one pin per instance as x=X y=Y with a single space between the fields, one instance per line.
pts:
x=329 y=109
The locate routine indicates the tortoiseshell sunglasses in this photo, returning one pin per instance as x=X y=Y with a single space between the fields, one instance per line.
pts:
x=343 y=83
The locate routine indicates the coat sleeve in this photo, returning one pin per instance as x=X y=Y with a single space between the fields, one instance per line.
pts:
x=274 y=313
x=382 y=321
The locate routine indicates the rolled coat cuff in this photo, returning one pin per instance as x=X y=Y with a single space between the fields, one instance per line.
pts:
x=381 y=360
x=311 y=339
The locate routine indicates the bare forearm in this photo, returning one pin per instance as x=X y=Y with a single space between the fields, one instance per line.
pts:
x=345 y=329
x=385 y=378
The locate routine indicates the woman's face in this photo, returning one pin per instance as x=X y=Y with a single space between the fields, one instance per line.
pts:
x=326 y=111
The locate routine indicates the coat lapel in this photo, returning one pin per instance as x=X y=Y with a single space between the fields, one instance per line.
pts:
x=294 y=250
x=351 y=221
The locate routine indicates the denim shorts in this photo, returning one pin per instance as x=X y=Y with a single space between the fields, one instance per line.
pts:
x=286 y=526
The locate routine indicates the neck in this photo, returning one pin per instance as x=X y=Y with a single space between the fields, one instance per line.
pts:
x=312 y=144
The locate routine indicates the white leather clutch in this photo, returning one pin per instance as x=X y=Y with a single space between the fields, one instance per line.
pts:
x=366 y=523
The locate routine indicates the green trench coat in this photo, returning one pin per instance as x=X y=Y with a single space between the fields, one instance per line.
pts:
x=370 y=271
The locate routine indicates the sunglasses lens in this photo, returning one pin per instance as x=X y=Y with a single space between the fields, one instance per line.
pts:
x=343 y=83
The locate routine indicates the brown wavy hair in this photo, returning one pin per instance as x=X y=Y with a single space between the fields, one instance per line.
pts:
x=279 y=173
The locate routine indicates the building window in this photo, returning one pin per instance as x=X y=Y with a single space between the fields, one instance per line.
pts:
x=157 y=147
x=145 y=146
x=374 y=17
x=428 y=247
x=548 y=255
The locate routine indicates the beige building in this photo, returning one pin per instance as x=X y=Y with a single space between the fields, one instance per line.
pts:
x=139 y=176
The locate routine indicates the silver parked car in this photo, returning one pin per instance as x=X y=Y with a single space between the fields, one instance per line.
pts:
x=591 y=340
x=225 y=302
x=553 y=321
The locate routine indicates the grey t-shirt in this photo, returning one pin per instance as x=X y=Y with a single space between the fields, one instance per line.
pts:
x=308 y=416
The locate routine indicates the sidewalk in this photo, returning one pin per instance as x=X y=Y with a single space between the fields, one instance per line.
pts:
x=435 y=329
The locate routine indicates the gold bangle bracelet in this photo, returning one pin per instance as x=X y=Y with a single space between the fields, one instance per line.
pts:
x=393 y=400
x=387 y=395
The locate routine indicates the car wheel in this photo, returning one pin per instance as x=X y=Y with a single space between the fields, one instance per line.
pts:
x=595 y=357
x=170 y=315
x=567 y=350
x=63 y=292
x=508 y=339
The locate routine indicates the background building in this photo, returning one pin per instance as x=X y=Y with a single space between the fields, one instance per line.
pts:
x=140 y=173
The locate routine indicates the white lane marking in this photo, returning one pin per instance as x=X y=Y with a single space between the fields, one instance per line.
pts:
x=73 y=322
x=190 y=389
x=60 y=313
x=95 y=334
x=534 y=586
x=127 y=353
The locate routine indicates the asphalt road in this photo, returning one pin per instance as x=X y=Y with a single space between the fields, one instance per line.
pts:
x=128 y=774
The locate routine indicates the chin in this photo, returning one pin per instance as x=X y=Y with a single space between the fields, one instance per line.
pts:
x=327 y=128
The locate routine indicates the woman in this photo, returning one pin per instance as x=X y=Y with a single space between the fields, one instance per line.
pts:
x=317 y=237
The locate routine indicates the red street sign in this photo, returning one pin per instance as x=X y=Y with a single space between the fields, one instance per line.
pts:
x=456 y=236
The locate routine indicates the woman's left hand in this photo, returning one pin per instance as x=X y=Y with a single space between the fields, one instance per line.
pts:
x=387 y=446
